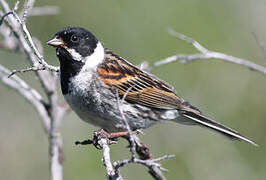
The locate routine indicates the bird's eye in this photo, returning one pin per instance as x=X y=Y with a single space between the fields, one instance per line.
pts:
x=74 y=38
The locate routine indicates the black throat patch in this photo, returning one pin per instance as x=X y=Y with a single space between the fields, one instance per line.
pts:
x=68 y=68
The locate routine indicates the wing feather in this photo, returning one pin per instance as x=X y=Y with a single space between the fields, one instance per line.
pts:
x=147 y=90
x=143 y=88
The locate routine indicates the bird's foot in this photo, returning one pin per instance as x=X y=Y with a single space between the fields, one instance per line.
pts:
x=97 y=135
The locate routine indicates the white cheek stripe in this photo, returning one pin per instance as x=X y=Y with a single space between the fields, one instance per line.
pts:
x=76 y=56
x=91 y=61
x=95 y=58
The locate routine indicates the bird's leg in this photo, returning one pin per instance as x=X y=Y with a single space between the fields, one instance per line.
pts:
x=113 y=135
x=119 y=134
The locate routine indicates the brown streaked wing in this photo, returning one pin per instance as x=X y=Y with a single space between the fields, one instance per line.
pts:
x=141 y=87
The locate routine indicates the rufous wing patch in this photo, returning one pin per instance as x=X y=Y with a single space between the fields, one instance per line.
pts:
x=139 y=86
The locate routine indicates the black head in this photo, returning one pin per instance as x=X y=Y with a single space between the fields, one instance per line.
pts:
x=74 y=41
x=74 y=46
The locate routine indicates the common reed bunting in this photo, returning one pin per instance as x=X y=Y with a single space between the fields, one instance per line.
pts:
x=91 y=77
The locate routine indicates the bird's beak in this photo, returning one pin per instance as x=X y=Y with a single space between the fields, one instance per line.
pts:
x=56 y=42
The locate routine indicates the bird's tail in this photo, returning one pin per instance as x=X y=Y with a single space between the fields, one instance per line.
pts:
x=217 y=127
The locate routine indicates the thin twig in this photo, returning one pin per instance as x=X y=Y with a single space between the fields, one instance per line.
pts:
x=206 y=54
x=152 y=164
x=30 y=94
x=26 y=70
x=28 y=5
x=25 y=37
x=53 y=110
x=261 y=45
x=131 y=136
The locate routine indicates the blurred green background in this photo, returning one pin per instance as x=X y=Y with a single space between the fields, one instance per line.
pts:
x=230 y=94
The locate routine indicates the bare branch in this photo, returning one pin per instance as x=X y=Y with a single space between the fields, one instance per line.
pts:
x=151 y=164
x=28 y=5
x=26 y=70
x=26 y=41
x=182 y=37
x=30 y=94
x=206 y=54
x=110 y=172
x=53 y=111
x=102 y=140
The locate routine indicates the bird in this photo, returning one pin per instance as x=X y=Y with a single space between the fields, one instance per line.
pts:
x=93 y=79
